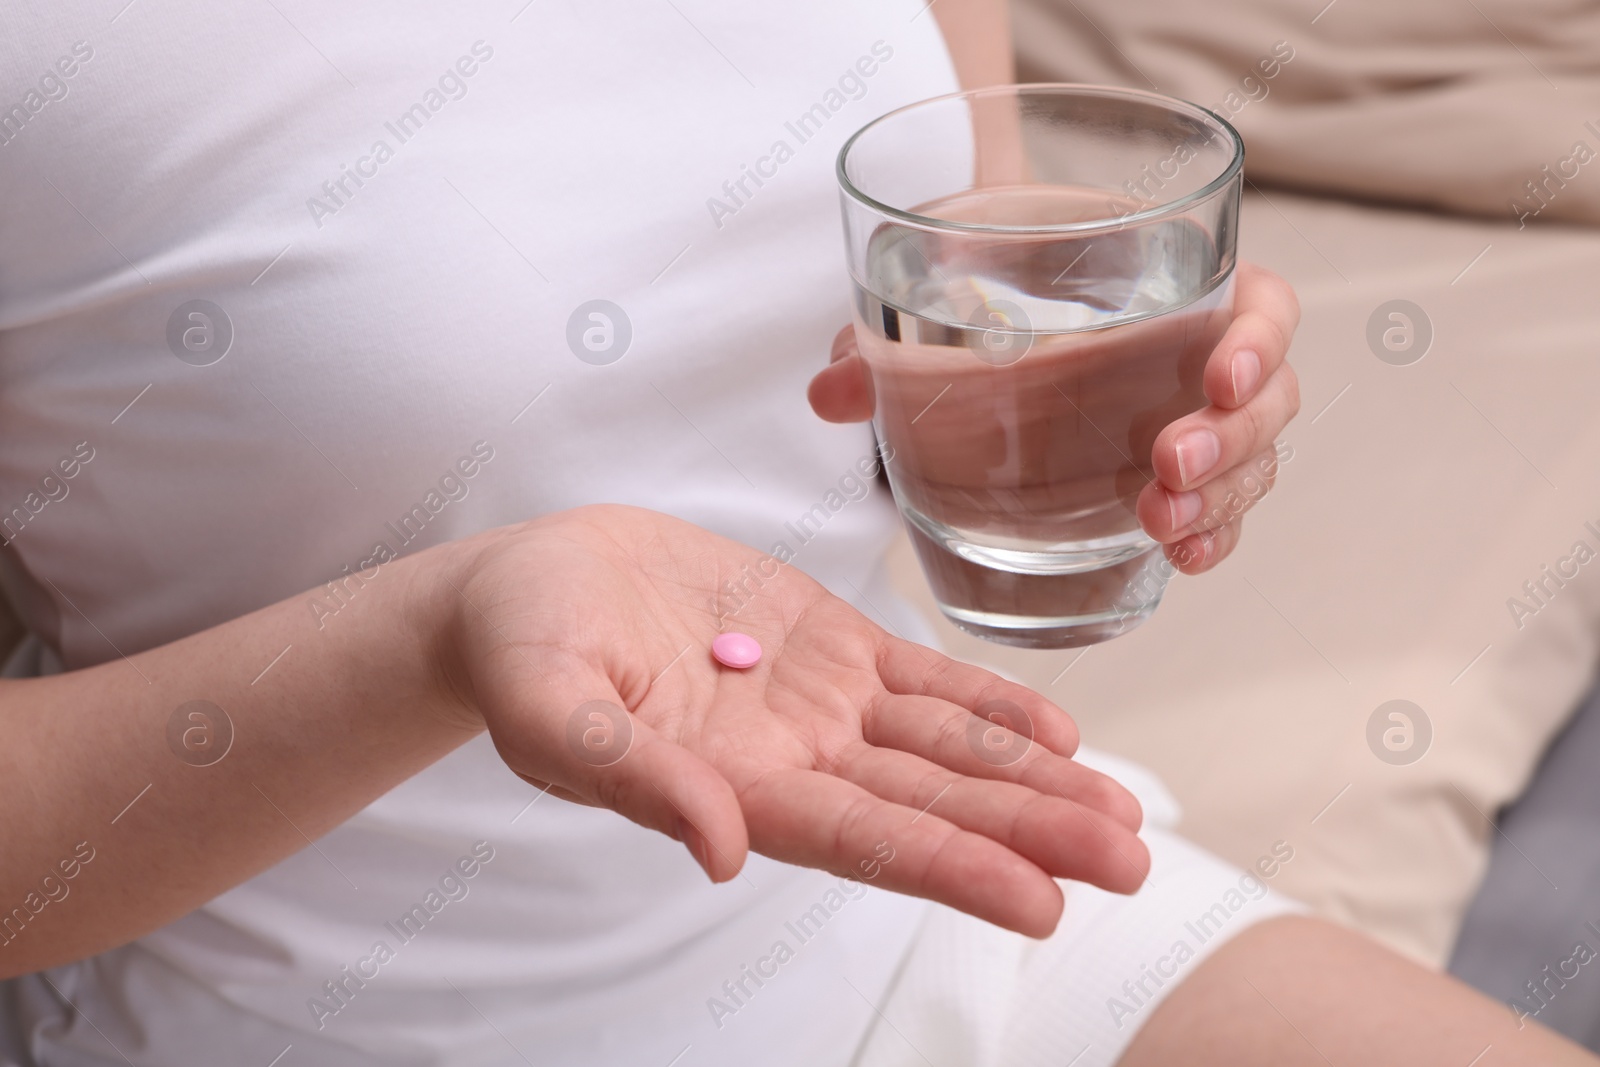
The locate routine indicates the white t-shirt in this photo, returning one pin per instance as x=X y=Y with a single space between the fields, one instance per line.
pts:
x=277 y=273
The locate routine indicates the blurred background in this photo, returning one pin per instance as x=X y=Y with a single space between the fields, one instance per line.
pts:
x=1391 y=672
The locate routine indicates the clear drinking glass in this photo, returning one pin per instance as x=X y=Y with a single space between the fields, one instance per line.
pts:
x=1040 y=273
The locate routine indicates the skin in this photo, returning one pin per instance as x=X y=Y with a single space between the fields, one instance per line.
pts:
x=1252 y=392
x=832 y=744
x=1336 y=997
x=835 y=742
x=1295 y=992
x=842 y=738
x=1197 y=460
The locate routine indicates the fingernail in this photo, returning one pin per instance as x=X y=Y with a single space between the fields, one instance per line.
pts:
x=1198 y=452
x=1184 y=508
x=1246 y=372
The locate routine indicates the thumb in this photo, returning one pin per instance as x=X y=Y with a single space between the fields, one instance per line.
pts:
x=587 y=742
x=842 y=391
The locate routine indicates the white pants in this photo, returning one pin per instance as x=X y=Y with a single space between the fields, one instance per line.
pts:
x=973 y=995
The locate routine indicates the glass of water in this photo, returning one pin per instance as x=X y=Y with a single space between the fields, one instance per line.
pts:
x=1040 y=274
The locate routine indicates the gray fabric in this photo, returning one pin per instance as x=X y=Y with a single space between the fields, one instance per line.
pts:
x=1531 y=938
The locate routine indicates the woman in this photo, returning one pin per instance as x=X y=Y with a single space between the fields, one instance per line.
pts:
x=331 y=508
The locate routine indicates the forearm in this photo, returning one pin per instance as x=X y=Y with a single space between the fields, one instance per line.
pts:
x=355 y=704
x=978 y=35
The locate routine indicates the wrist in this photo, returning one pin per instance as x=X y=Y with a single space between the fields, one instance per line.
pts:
x=433 y=601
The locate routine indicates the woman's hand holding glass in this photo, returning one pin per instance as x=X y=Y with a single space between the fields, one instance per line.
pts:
x=1202 y=461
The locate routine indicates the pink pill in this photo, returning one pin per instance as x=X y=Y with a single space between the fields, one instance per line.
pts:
x=736 y=650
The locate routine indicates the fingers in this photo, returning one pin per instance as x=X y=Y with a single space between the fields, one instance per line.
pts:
x=1200 y=447
x=979 y=746
x=668 y=788
x=1266 y=313
x=588 y=747
x=817 y=820
x=1170 y=517
x=1062 y=838
x=1200 y=552
x=842 y=392
x=910 y=669
x=1210 y=465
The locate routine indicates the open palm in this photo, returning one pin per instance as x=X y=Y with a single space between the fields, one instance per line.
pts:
x=584 y=640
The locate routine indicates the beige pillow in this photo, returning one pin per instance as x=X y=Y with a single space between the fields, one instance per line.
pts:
x=1430 y=102
x=1418 y=501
